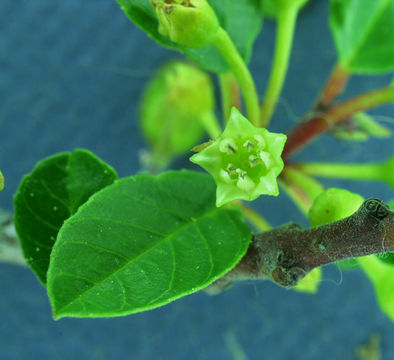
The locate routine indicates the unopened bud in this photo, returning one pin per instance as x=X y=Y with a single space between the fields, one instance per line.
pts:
x=191 y=23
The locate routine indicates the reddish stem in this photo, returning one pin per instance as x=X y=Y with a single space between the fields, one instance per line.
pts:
x=231 y=94
x=235 y=93
x=307 y=131
x=333 y=88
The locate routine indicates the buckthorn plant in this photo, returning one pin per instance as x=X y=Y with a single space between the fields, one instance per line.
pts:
x=104 y=246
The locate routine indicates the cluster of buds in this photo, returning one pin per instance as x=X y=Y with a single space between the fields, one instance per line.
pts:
x=244 y=161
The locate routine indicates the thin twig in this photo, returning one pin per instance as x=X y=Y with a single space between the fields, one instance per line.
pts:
x=332 y=89
x=305 y=132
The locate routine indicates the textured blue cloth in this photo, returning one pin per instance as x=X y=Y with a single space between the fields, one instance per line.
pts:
x=71 y=75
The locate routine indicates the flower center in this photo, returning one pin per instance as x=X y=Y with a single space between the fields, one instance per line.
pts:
x=245 y=161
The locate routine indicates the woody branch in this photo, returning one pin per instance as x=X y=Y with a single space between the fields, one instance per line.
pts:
x=286 y=254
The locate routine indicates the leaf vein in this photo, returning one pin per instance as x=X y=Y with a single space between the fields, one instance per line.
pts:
x=208 y=251
x=39 y=218
x=132 y=260
x=96 y=246
x=171 y=281
x=38 y=242
x=123 y=292
x=52 y=194
x=118 y=221
x=143 y=201
x=77 y=276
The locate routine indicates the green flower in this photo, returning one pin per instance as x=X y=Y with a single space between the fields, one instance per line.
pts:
x=244 y=161
x=191 y=23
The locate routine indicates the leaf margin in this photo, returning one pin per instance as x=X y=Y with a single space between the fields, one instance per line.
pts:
x=234 y=212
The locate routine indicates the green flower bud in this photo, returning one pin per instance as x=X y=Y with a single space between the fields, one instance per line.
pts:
x=191 y=23
x=174 y=106
x=1 y=181
x=244 y=161
x=189 y=89
x=334 y=205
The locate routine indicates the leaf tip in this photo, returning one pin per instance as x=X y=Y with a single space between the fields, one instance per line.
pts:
x=55 y=315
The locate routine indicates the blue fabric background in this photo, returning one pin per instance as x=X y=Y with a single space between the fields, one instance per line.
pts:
x=71 y=75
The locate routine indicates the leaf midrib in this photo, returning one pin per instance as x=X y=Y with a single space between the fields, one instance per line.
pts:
x=131 y=261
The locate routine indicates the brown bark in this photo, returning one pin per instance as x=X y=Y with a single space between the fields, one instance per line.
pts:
x=286 y=254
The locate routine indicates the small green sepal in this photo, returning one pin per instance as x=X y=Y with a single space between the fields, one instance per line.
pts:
x=191 y=23
x=244 y=161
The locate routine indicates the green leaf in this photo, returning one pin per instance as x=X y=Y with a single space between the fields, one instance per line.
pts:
x=242 y=20
x=47 y=196
x=141 y=243
x=382 y=278
x=363 y=34
x=1 y=181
